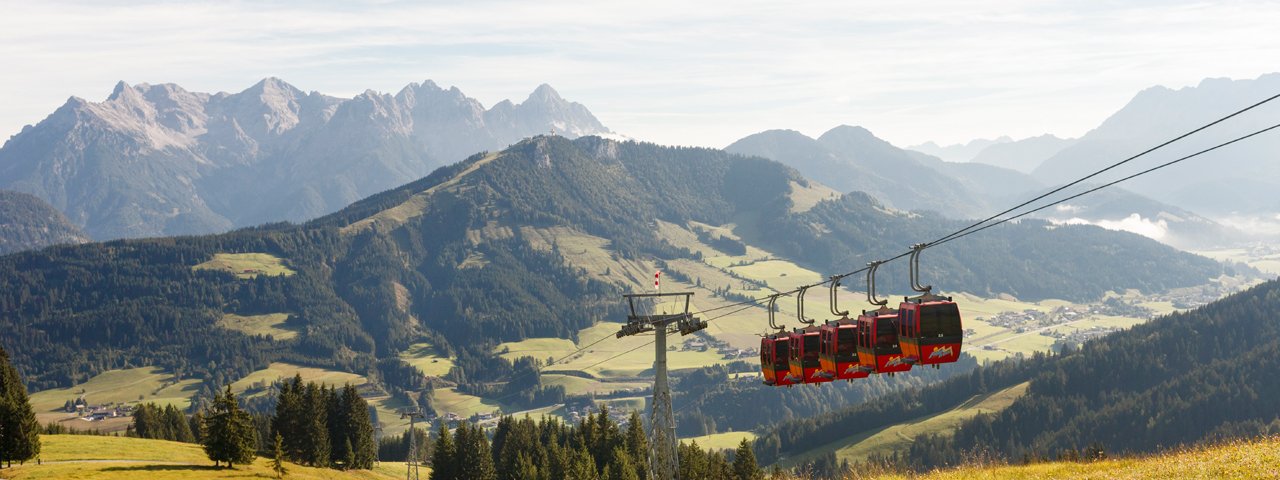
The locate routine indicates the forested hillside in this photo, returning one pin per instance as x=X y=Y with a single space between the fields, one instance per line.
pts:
x=470 y=256
x=28 y=222
x=1207 y=374
x=1186 y=378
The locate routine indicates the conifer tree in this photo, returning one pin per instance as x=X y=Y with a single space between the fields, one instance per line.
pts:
x=621 y=468
x=229 y=435
x=177 y=426
x=19 y=430
x=315 y=426
x=290 y=419
x=359 y=429
x=277 y=457
x=744 y=463
x=472 y=458
x=638 y=445
x=442 y=461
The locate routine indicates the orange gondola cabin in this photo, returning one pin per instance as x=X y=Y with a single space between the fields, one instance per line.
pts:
x=929 y=330
x=838 y=359
x=878 y=347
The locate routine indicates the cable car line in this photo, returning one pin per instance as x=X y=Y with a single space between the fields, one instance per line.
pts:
x=1109 y=167
x=979 y=226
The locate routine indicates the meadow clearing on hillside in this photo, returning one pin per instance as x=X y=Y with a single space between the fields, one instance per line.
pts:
x=247 y=265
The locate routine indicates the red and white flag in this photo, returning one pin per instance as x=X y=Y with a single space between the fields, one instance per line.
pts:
x=657 y=277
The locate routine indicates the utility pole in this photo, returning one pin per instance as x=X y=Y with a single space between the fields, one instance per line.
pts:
x=664 y=461
x=411 y=458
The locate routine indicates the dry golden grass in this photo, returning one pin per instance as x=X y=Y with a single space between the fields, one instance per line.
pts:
x=1241 y=459
x=94 y=457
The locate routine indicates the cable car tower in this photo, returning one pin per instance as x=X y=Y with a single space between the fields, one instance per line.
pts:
x=411 y=460
x=663 y=455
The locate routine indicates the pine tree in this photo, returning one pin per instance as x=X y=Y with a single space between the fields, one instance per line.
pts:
x=359 y=429
x=472 y=457
x=290 y=419
x=177 y=426
x=744 y=463
x=19 y=430
x=229 y=435
x=315 y=426
x=277 y=457
x=638 y=445
x=622 y=467
x=442 y=461
x=144 y=422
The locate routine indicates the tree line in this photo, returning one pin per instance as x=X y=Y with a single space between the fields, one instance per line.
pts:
x=595 y=448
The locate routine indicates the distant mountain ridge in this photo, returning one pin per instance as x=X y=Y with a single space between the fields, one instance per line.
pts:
x=849 y=158
x=959 y=152
x=1023 y=155
x=1239 y=178
x=27 y=222
x=160 y=160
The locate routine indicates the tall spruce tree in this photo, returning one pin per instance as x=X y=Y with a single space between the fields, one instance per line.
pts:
x=229 y=435
x=744 y=463
x=442 y=461
x=472 y=458
x=19 y=430
x=290 y=420
x=638 y=445
x=358 y=429
x=176 y=424
x=315 y=426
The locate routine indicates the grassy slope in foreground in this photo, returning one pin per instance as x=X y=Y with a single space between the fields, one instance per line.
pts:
x=1258 y=458
x=85 y=456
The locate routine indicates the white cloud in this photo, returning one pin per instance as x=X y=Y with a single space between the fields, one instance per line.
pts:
x=703 y=73
x=1153 y=229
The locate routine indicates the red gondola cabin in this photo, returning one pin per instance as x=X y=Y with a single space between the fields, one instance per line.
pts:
x=929 y=330
x=878 y=348
x=774 y=363
x=805 y=347
x=838 y=359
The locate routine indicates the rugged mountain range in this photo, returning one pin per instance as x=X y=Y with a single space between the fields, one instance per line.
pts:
x=27 y=222
x=853 y=159
x=1239 y=178
x=160 y=160
x=556 y=227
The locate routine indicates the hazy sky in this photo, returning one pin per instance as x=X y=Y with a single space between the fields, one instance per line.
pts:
x=692 y=73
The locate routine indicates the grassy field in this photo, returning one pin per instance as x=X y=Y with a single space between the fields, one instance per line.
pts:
x=447 y=400
x=269 y=324
x=247 y=265
x=721 y=441
x=1243 y=459
x=121 y=386
x=427 y=360
x=858 y=445
x=539 y=348
x=86 y=457
x=279 y=370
